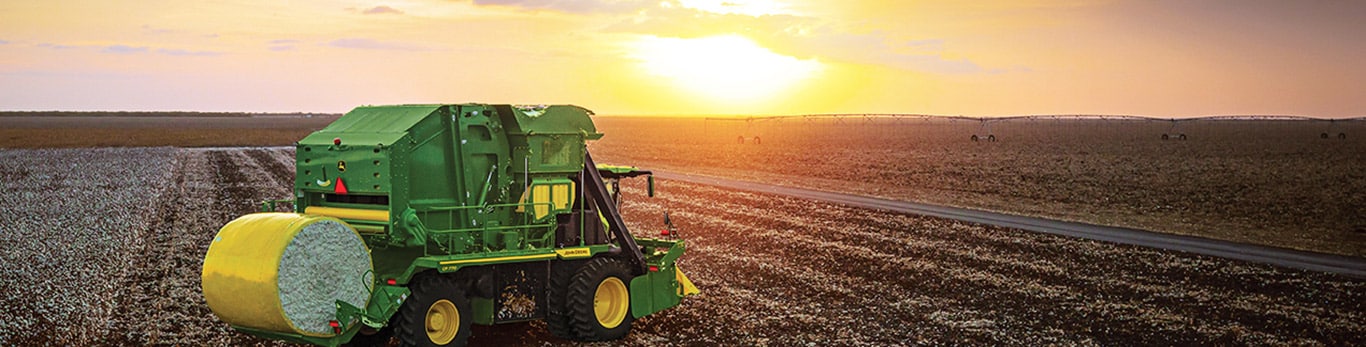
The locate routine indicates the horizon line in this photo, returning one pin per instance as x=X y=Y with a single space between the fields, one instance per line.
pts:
x=754 y=117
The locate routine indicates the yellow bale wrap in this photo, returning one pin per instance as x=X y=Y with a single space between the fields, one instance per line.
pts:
x=283 y=272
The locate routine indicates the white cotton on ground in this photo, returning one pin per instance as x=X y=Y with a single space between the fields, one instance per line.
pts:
x=325 y=262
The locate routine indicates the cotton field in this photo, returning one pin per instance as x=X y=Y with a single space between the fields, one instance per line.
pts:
x=105 y=247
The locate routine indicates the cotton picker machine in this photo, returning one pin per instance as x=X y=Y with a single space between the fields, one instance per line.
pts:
x=416 y=221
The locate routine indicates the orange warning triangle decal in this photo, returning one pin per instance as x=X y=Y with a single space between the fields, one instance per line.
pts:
x=341 y=187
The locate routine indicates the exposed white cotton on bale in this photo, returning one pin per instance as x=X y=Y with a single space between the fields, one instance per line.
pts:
x=325 y=262
x=284 y=272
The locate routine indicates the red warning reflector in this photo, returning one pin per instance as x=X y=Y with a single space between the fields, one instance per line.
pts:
x=391 y=281
x=336 y=141
x=654 y=268
x=334 y=324
x=664 y=232
x=340 y=188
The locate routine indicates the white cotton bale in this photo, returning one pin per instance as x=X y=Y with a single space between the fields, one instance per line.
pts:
x=284 y=272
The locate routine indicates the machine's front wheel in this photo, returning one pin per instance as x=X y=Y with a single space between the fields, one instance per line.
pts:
x=599 y=300
x=437 y=314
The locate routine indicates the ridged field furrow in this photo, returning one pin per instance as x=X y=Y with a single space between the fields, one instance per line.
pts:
x=806 y=246
x=269 y=160
x=211 y=187
x=1107 y=297
x=72 y=220
x=1048 y=278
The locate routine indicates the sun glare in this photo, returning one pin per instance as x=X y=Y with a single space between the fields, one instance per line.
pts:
x=726 y=68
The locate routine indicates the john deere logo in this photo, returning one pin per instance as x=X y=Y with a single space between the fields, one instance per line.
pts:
x=341 y=166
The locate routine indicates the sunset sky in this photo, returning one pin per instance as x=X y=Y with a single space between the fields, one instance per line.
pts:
x=674 y=57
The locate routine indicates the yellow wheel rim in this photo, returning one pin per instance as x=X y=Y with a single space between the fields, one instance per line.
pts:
x=443 y=322
x=610 y=302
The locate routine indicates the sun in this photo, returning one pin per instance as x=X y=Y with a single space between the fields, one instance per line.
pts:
x=728 y=68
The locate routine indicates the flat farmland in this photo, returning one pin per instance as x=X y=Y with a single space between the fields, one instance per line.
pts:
x=151 y=129
x=1275 y=183
x=104 y=246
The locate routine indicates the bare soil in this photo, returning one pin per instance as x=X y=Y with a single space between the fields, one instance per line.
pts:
x=104 y=247
x=1275 y=183
x=155 y=129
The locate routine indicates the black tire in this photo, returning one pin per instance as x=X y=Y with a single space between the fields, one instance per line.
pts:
x=974 y=138
x=991 y=138
x=429 y=292
x=583 y=289
x=377 y=339
x=1181 y=137
x=1342 y=136
x=1323 y=136
x=557 y=316
x=1165 y=137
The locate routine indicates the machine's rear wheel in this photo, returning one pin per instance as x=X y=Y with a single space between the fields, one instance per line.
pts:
x=599 y=301
x=437 y=314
